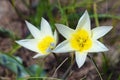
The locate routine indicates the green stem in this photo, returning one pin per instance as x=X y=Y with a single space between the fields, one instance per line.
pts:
x=55 y=55
x=17 y=47
x=44 y=78
x=108 y=16
x=16 y=10
x=63 y=14
x=72 y=57
x=105 y=62
x=95 y=14
x=97 y=24
x=96 y=67
x=59 y=66
x=68 y=71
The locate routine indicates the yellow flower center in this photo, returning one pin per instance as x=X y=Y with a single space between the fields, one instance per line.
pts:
x=46 y=44
x=80 y=40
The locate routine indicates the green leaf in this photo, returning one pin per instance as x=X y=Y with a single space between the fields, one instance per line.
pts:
x=19 y=59
x=21 y=79
x=40 y=11
x=12 y=64
x=43 y=9
x=36 y=70
x=118 y=77
x=43 y=78
x=6 y=33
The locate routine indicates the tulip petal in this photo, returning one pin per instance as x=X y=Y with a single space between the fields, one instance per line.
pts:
x=63 y=47
x=80 y=58
x=30 y=44
x=37 y=55
x=100 y=31
x=98 y=47
x=45 y=27
x=84 y=22
x=64 y=30
x=34 y=31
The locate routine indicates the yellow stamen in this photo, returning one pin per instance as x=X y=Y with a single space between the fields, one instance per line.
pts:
x=81 y=40
x=45 y=44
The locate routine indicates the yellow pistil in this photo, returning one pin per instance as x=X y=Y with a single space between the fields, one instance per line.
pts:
x=45 y=44
x=81 y=40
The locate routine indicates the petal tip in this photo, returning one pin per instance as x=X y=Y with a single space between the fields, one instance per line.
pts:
x=80 y=65
x=34 y=57
x=42 y=19
x=80 y=58
x=106 y=49
x=18 y=42
x=37 y=55
x=110 y=27
x=86 y=12
x=27 y=22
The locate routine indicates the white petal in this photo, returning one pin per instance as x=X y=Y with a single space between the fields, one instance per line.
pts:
x=45 y=27
x=34 y=31
x=37 y=55
x=100 y=31
x=80 y=58
x=84 y=22
x=30 y=44
x=63 y=47
x=64 y=30
x=56 y=37
x=98 y=47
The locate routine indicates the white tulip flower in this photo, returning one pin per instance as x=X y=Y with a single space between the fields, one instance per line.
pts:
x=44 y=41
x=82 y=40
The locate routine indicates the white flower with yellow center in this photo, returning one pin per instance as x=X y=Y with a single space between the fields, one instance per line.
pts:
x=44 y=41
x=82 y=40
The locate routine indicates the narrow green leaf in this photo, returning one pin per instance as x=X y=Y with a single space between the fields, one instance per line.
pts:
x=36 y=70
x=6 y=33
x=12 y=64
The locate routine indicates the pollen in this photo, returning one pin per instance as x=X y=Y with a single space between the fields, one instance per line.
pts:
x=81 y=40
x=46 y=44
